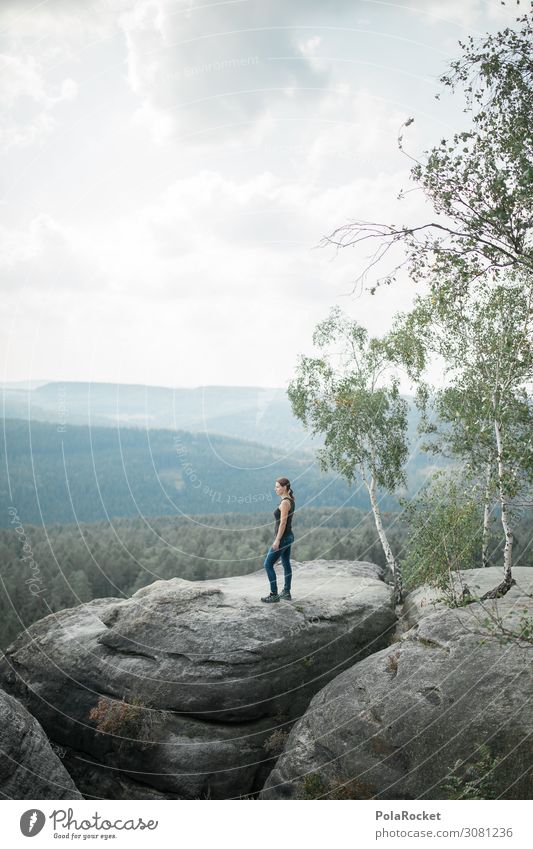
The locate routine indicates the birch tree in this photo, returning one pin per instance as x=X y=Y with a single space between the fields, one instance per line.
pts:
x=350 y=395
x=485 y=341
x=478 y=183
x=468 y=435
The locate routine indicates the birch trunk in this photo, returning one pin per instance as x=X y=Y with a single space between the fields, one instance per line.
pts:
x=509 y=537
x=393 y=564
x=486 y=518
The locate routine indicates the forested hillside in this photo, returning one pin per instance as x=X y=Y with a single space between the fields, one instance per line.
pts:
x=76 y=473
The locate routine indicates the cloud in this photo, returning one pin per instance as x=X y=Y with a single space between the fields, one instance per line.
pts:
x=54 y=25
x=214 y=232
x=191 y=257
x=468 y=14
x=47 y=254
x=27 y=101
x=37 y=42
x=209 y=70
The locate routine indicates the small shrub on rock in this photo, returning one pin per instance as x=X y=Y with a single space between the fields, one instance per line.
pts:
x=474 y=780
x=132 y=720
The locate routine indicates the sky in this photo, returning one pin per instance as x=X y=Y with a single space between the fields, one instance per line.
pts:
x=170 y=168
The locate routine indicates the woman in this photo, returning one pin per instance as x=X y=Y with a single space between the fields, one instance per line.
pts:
x=281 y=547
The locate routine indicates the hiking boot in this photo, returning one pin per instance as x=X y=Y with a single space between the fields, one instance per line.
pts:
x=285 y=594
x=270 y=598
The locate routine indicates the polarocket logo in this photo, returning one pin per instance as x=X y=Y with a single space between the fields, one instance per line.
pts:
x=31 y=822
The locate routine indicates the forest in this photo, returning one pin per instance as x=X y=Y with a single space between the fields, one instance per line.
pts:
x=71 y=473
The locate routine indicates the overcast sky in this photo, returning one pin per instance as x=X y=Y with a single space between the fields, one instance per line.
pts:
x=170 y=166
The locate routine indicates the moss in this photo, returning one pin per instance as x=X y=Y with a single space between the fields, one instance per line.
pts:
x=317 y=786
x=313 y=786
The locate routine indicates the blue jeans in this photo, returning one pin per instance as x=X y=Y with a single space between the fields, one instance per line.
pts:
x=284 y=551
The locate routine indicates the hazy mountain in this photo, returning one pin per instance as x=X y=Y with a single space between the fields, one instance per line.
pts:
x=260 y=414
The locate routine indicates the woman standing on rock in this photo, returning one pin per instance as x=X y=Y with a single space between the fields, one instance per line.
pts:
x=281 y=547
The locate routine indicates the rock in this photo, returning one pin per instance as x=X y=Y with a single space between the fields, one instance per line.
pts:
x=392 y=725
x=29 y=768
x=427 y=599
x=208 y=670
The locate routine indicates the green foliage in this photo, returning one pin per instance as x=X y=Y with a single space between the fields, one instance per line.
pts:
x=484 y=415
x=351 y=396
x=483 y=339
x=478 y=183
x=482 y=178
x=445 y=525
x=473 y=780
x=525 y=627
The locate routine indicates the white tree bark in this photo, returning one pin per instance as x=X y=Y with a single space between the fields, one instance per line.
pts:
x=486 y=518
x=509 y=536
x=393 y=564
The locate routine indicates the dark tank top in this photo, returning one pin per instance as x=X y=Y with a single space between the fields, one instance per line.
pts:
x=277 y=516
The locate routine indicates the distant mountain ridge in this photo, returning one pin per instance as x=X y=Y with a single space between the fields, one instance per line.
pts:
x=259 y=414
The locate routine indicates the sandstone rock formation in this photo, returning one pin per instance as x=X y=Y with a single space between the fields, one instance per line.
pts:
x=208 y=674
x=29 y=768
x=394 y=724
x=427 y=599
